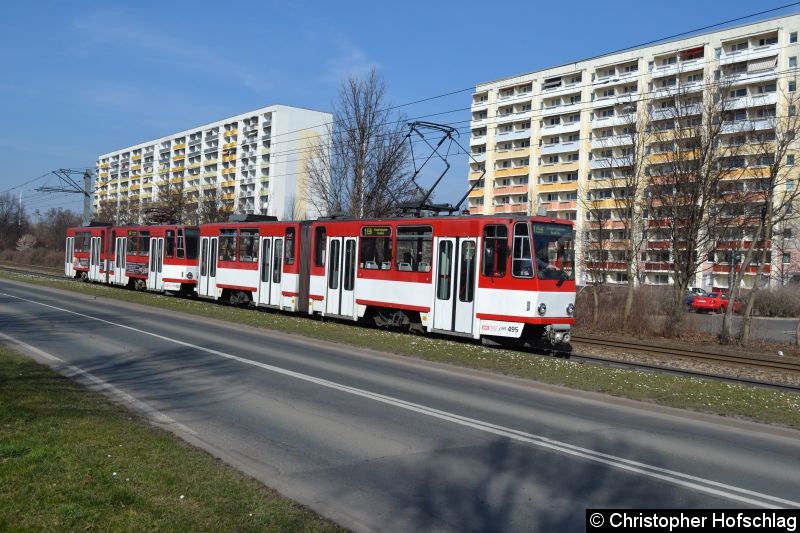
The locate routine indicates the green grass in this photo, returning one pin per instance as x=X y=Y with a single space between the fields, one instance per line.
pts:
x=763 y=405
x=71 y=460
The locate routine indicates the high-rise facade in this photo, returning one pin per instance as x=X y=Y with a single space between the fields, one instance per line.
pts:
x=249 y=163
x=549 y=140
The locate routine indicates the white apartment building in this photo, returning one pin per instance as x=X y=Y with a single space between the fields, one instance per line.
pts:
x=548 y=136
x=252 y=163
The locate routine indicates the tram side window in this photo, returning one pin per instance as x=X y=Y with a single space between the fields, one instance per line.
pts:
x=288 y=250
x=82 y=241
x=192 y=242
x=521 y=261
x=227 y=245
x=319 y=247
x=169 y=243
x=495 y=250
x=139 y=244
x=414 y=248
x=376 y=253
x=248 y=245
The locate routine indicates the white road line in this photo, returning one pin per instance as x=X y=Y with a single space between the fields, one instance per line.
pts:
x=699 y=484
x=102 y=385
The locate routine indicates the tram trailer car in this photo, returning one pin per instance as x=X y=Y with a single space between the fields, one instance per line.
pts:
x=86 y=253
x=253 y=263
x=504 y=277
x=156 y=258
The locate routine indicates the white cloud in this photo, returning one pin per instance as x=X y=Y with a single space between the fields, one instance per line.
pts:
x=351 y=61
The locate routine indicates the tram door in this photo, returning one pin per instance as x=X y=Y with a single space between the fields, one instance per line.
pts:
x=94 y=259
x=69 y=253
x=270 y=271
x=207 y=277
x=119 y=260
x=455 y=285
x=154 y=273
x=341 y=276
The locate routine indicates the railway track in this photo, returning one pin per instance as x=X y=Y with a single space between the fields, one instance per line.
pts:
x=769 y=363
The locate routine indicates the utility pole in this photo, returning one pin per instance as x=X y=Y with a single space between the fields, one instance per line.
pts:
x=71 y=185
x=19 y=213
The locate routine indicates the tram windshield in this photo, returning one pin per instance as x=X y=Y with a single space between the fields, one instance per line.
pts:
x=553 y=248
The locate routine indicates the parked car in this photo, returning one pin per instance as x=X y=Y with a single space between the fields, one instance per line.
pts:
x=715 y=302
x=691 y=294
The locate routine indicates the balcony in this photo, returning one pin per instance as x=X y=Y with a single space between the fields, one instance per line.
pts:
x=757 y=52
x=479 y=158
x=231 y=132
x=209 y=186
x=231 y=157
x=178 y=157
x=622 y=77
x=228 y=146
x=476 y=123
x=752 y=101
x=511 y=208
x=178 y=169
x=477 y=192
x=226 y=171
x=740 y=126
x=569 y=146
x=209 y=162
x=104 y=165
x=513 y=171
x=513 y=135
x=179 y=146
x=615 y=120
x=137 y=157
x=610 y=162
x=561 y=166
x=265 y=151
x=509 y=189
x=136 y=167
x=210 y=174
x=610 y=142
x=515 y=97
x=176 y=180
x=745 y=78
x=558 y=129
x=680 y=67
x=477 y=139
x=513 y=117
x=617 y=99
x=562 y=90
x=560 y=109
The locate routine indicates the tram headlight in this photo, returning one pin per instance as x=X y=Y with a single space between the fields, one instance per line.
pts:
x=542 y=309
x=570 y=309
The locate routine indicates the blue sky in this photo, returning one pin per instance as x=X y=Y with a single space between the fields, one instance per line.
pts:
x=83 y=78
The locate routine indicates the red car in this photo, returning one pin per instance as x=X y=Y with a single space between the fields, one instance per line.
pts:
x=716 y=301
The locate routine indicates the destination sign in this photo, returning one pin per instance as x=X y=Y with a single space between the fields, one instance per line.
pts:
x=376 y=231
x=551 y=230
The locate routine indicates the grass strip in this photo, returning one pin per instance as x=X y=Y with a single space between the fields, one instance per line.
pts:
x=72 y=460
x=709 y=396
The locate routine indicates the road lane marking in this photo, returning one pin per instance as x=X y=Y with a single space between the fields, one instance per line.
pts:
x=707 y=486
x=102 y=385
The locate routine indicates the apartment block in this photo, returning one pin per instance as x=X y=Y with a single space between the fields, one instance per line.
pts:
x=552 y=140
x=250 y=163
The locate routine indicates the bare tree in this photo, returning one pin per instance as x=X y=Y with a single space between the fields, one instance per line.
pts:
x=52 y=226
x=362 y=169
x=625 y=172
x=212 y=208
x=13 y=221
x=686 y=167
x=596 y=260
x=171 y=204
x=772 y=140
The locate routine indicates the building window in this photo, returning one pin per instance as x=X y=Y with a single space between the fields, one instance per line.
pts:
x=792 y=86
x=717 y=52
x=793 y=37
x=792 y=61
x=792 y=110
x=790 y=159
x=787 y=258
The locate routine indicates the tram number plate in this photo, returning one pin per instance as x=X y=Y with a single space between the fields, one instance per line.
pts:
x=501 y=329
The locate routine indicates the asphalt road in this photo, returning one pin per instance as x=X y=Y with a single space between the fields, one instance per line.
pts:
x=379 y=442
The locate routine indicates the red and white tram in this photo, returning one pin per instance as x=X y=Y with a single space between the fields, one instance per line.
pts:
x=85 y=253
x=473 y=276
